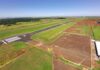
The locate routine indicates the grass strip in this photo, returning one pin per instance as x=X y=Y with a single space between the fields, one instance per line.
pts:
x=76 y=65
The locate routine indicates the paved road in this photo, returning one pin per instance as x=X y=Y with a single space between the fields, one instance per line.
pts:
x=27 y=37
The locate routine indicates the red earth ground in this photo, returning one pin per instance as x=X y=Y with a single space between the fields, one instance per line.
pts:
x=78 y=28
x=87 y=22
x=74 y=48
x=58 y=65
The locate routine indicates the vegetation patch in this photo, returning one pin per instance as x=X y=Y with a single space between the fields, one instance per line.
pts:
x=96 y=31
x=70 y=63
x=7 y=33
x=33 y=59
x=18 y=45
x=97 y=68
x=98 y=61
x=51 y=34
x=11 y=51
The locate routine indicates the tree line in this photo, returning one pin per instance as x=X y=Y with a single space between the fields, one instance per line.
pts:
x=12 y=21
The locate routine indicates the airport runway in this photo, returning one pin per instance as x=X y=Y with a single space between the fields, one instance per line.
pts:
x=26 y=37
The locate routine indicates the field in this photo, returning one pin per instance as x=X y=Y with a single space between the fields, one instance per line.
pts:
x=96 y=31
x=11 y=51
x=21 y=30
x=74 y=48
x=61 y=66
x=52 y=34
x=49 y=44
x=32 y=59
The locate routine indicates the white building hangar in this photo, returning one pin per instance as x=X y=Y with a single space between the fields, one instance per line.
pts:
x=12 y=39
x=97 y=45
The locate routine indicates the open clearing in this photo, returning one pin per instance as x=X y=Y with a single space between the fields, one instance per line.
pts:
x=32 y=59
x=50 y=35
x=58 y=65
x=11 y=51
x=75 y=48
x=96 y=31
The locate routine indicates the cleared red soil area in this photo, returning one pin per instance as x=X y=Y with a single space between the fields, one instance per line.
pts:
x=77 y=28
x=74 y=48
x=58 y=65
x=74 y=29
x=91 y=22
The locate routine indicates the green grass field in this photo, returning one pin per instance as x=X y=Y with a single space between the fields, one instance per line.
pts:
x=96 y=31
x=84 y=29
x=9 y=51
x=19 y=25
x=52 y=34
x=87 y=30
x=25 y=27
x=33 y=59
x=18 y=45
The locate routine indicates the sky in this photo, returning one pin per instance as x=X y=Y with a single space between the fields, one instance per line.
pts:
x=41 y=8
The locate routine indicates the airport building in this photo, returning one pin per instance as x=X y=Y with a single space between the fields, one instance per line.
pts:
x=97 y=46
